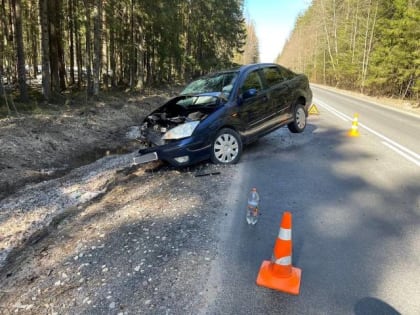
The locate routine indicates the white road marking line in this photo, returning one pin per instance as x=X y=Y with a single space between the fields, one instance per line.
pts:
x=403 y=151
x=333 y=111
x=415 y=155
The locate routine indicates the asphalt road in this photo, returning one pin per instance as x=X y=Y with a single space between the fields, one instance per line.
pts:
x=356 y=215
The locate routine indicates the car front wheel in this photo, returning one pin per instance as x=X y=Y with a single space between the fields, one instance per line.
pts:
x=299 y=120
x=227 y=147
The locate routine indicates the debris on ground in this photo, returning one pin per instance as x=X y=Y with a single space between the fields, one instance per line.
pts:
x=201 y=174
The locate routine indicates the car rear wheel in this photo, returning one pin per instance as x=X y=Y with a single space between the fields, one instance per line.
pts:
x=227 y=147
x=299 y=120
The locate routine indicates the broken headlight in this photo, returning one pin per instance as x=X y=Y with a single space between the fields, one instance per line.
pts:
x=182 y=131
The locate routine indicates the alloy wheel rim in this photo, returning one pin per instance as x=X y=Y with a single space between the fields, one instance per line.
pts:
x=300 y=118
x=226 y=148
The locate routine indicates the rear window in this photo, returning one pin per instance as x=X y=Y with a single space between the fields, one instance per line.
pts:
x=287 y=74
x=273 y=76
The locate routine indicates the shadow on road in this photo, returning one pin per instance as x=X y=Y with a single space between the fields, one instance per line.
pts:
x=370 y=305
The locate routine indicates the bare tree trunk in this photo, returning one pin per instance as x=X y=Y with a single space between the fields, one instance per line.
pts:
x=11 y=73
x=79 y=58
x=324 y=18
x=335 y=31
x=112 y=57
x=314 y=61
x=23 y=89
x=59 y=42
x=71 y=39
x=369 y=47
x=34 y=38
x=46 y=74
x=140 y=64
x=97 y=46
x=3 y=92
x=54 y=54
x=132 y=61
x=365 y=47
x=3 y=38
x=89 y=87
x=410 y=82
x=354 y=35
x=105 y=51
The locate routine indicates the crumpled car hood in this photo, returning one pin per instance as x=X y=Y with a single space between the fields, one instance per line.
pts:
x=177 y=111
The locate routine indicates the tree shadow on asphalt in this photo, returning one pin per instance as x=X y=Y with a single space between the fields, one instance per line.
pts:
x=370 y=305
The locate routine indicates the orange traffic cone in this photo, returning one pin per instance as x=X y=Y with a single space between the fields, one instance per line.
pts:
x=354 y=131
x=279 y=274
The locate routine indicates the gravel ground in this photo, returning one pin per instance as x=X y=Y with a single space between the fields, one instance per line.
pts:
x=143 y=244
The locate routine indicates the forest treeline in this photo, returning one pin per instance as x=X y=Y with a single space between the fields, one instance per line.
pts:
x=367 y=45
x=97 y=44
x=91 y=45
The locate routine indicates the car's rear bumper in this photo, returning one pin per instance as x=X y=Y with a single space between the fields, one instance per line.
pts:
x=179 y=153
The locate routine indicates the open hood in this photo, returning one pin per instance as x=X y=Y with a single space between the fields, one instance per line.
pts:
x=177 y=111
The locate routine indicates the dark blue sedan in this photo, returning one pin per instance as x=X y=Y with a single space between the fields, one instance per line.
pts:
x=216 y=115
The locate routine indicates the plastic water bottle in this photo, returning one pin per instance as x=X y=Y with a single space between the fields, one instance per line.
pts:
x=252 y=209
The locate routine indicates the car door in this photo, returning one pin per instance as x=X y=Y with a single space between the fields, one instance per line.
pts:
x=278 y=89
x=290 y=97
x=254 y=106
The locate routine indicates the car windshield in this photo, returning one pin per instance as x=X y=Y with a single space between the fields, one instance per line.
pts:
x=219 y=82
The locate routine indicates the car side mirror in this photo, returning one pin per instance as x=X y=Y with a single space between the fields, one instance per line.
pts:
x=249 y=93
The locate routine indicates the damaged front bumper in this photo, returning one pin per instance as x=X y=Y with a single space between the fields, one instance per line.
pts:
x=178 y=153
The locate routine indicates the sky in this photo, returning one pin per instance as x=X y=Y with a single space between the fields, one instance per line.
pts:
x=274 y=20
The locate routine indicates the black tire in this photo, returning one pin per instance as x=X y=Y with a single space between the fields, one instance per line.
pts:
x=226 y=147
x=299 y=119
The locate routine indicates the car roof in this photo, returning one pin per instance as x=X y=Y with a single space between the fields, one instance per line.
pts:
x=243 y=68
x=257 y=66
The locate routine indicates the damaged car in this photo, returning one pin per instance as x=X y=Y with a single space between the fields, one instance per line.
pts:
x=215 y=116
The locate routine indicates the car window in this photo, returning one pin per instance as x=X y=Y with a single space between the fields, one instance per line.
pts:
x=273 y=76
x=253 y=81
x=286 y=74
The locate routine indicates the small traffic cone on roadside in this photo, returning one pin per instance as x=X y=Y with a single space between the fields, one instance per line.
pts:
x=354 y=131
x=279 y=274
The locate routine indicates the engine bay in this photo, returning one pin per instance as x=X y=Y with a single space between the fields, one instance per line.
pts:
x=176 y=112
x=161 y=121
